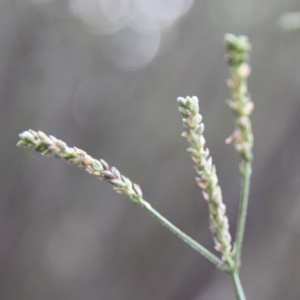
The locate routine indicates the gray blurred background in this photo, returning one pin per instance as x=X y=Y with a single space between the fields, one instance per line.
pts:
x=104 y=75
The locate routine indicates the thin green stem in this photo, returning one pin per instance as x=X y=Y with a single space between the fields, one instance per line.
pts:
x=239 y=292
x=246 y=171
x=184 y=237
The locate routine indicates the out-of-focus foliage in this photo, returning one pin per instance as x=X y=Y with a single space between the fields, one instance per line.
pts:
x=290 y=21
x=104 y=76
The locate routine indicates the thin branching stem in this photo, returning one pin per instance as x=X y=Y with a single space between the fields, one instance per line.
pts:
x=184 y=237
x=238 y=49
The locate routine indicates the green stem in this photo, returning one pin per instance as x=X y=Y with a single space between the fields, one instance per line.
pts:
x=246 y=175
x=187 y=239
x=239 y=292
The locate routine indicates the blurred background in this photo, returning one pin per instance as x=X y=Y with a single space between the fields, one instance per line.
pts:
x=104 y=75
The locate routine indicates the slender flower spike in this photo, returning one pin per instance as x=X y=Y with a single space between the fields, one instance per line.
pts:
x=238 y=48
x=207 y=180
x=49 y=145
